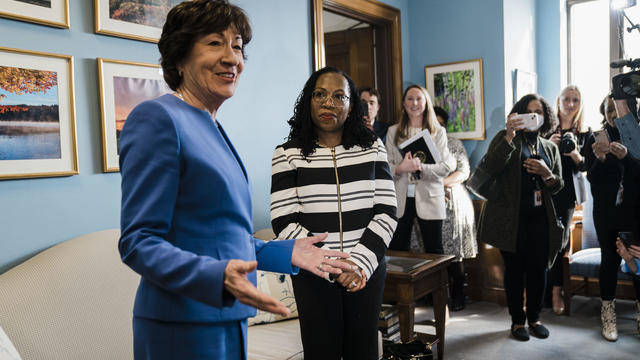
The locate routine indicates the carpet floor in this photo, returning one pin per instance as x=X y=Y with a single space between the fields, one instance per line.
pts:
x=481 y=331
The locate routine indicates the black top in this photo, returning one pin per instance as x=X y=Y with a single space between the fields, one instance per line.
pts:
x=566 y=198
x=530 y=182
x=605 y=178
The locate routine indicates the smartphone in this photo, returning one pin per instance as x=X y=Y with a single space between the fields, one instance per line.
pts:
x=365 y=108
x=628 y=239
x=602 y=136
x=531 y=121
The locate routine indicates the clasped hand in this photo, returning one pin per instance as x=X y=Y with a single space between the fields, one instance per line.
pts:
x=304 y=255
x=600 y=150
x=409 y=164
x=537 y=167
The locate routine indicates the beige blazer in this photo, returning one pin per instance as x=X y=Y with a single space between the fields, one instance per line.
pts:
x=430 y=203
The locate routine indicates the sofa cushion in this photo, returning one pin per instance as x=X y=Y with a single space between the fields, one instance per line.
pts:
x=7 y=350
x=279 y=286
x=276 y=341
x=587 y=263
x=72 y=301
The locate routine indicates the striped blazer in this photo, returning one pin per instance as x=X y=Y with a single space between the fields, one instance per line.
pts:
x=348 y=193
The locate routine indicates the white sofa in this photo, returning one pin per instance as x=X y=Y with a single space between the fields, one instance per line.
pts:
x=74 y=301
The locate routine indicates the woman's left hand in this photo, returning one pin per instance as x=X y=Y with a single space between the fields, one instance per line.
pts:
x=318 y=261
x=537 y=166
x=353 y=281
x=622 y=251
x=574 y=155
x=618 y=150
x=634 y=250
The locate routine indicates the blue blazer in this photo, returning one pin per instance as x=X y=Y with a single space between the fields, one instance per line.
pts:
x=186 y=210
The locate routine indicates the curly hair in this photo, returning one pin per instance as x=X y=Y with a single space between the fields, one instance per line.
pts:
x=303 y=132
x=550 y=120
x=189 y=21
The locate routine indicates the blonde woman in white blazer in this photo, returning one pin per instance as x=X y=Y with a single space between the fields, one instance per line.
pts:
x=418 y=196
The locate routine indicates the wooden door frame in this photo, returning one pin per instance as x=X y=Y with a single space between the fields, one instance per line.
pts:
x=383 y=16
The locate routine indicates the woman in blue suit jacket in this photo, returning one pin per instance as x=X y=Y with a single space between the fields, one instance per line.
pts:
x=186 y=206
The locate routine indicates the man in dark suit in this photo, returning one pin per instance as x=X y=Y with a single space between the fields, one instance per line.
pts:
x=371 y=97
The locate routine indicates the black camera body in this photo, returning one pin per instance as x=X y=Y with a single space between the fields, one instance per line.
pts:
x=567 y=143
x=626 y=85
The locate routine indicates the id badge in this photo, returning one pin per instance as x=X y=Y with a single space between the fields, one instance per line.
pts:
x=537 y=198
x=620 y=194
x=411 y=190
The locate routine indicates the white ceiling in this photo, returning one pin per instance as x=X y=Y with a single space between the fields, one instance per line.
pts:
x=333 y=22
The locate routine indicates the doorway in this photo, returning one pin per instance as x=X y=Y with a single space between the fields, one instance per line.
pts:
x=362 y=38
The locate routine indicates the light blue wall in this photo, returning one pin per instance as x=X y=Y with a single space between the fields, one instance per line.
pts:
x=455 y=30
x=37 y=213
x=551 y=47
x=519 y=43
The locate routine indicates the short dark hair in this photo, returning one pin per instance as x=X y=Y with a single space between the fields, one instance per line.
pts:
x=187 y=22
x=303 y=132
x=550 y=120
x=443 y=114
x=371 y=91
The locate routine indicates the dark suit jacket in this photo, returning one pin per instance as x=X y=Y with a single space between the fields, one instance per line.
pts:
x=186 y=210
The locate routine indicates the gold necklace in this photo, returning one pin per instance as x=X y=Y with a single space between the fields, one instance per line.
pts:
x=179 y=96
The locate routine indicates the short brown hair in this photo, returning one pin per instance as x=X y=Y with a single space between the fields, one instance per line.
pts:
x=189 y=21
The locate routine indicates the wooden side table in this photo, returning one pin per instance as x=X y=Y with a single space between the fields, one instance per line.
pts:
x=404 y=288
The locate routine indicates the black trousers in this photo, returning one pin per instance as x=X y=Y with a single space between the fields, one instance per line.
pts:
x=527 y=267
x=431 y=231
x=610 y=262
x=337 y=324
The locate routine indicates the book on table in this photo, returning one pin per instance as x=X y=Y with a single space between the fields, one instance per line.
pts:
x=385 y=323
x=422 y=147
x=386 y=332
x=387 y=311
x=404 y=264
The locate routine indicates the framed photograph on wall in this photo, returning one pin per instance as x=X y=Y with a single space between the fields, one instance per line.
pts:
x=37 y=115
x=46 y=12
x=457 y=88
x=123 y=85
x=134 y=19
x=526 y=83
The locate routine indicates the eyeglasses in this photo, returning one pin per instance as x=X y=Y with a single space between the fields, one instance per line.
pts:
x=336 y=99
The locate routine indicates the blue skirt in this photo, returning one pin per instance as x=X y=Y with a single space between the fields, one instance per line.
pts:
x=158 y=340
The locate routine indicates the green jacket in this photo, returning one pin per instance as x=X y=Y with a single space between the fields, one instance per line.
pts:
x=499 y=218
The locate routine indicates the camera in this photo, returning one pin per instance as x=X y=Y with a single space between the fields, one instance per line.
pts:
x=567 y=143
x=626 y=85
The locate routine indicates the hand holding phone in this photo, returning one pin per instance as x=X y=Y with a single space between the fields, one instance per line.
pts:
x=601 y=137
x=530 y=121
x=628 y=239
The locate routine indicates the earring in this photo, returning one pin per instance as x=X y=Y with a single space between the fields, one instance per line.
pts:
x=180 y=72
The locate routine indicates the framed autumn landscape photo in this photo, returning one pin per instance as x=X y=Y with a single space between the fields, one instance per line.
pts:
x=133 y=19
x=123 y=85
x=457 y=88
x=37 y=115
x=46 y=12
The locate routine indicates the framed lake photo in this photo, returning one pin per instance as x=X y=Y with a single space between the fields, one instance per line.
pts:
x=134 y=19
x=457 y=88
x=46 y=12
x=123 y=85
x=37 y=115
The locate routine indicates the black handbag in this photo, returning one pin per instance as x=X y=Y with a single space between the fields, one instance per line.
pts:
x=481 y=183
x=414 y=350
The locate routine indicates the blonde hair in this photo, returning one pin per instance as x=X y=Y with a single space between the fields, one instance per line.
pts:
x=429 y=120
x=578 y=118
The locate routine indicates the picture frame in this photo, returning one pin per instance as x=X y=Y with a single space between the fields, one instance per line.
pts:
x=133 y=19
x=46 y=12
x=457 y=87
x=123 y=85
x=37 y=115
x=526 y=82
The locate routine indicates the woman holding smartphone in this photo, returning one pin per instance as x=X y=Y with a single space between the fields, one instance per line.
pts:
x=520 y=220
x=614 y=176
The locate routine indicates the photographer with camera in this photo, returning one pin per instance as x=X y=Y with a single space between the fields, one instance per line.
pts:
x=520 y=220
x=614 y=176
x=570 y=136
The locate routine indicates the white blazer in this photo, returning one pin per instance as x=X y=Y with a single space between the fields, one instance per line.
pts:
x=430 y=203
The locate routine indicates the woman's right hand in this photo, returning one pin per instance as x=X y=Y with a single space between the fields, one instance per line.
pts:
x=556 y=138
x=513 y=125
x=409 y=164
x=237 y=283
x=600 y=150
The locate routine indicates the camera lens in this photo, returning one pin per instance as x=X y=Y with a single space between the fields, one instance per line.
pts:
x=567 y=143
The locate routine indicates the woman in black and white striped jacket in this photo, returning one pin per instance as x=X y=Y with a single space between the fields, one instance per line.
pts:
x=332 y=176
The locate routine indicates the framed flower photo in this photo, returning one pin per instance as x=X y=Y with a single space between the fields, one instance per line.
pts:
x=134 y=19
x=123 y=85
x=37 y=115
x=45 y=12
x=457 y=88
